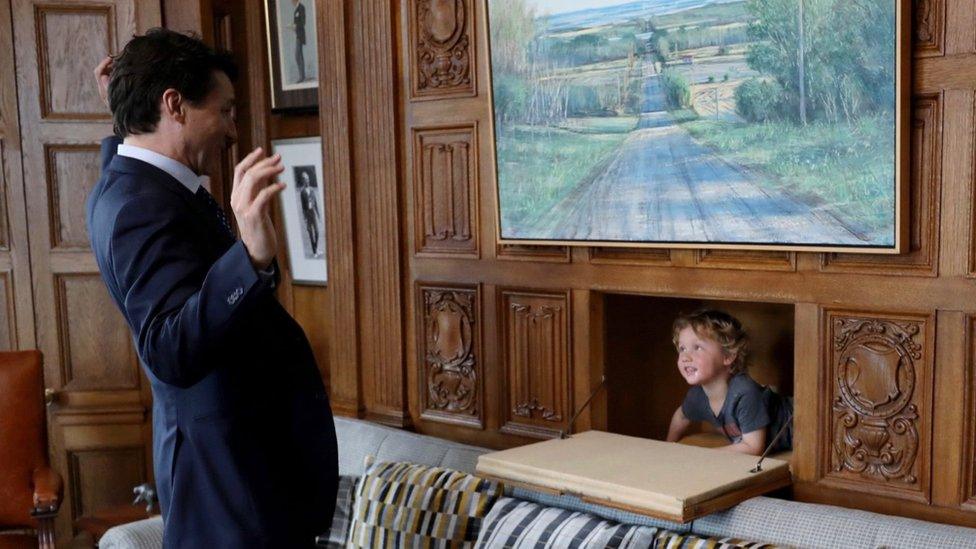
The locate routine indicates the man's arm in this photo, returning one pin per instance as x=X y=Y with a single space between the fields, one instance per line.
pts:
x=181 y=308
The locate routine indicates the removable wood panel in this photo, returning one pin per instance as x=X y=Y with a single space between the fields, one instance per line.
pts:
x=446 y=191
x=537 y=365
x=642 y=476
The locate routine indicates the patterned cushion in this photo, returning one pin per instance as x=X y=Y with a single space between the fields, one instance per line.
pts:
x=514 y=523
x=342 y=518
x=673 y=540
x=408 y=505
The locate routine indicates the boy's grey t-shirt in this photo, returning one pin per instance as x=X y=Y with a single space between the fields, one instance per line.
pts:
x=748 y=407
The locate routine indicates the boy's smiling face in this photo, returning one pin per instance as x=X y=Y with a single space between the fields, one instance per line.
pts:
x=701 y=360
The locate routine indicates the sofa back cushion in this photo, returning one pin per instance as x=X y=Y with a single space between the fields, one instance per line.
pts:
x=515 y=523
x=410 y=505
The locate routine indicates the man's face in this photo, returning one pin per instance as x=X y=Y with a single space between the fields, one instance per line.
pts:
x=209 y=127
x=305 y=180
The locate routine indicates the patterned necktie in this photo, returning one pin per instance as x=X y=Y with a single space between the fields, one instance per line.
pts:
x=211 y=204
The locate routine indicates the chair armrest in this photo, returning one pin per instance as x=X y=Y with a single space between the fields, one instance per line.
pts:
x=47 y=491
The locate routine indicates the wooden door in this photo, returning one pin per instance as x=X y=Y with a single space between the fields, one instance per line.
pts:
x=100 y=421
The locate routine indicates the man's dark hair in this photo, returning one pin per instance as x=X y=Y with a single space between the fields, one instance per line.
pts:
x=151 y=64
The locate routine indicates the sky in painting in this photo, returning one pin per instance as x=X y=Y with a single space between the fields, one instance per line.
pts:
x=552 y=7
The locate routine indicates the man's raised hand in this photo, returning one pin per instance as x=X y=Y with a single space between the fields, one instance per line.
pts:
x=254 y=189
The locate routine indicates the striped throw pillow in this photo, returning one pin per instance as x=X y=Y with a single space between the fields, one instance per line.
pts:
x=673 y=540
x=520 y=524
x=408 y=505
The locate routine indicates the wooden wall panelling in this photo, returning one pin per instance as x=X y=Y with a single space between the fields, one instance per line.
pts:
x=535 y=336
x=89 y=363
x=925 y=192
x=376 y=205
x=630 y=256
x=445 y=191
x=956 y=259
x=16 y=299
x=876 y=425
x=808 y=392
x=442 y=47
x=928 y=37
x=952 y=424
x=450 y=356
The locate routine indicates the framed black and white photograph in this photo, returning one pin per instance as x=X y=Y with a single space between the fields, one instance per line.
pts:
x=292 y=54
x=303 y=208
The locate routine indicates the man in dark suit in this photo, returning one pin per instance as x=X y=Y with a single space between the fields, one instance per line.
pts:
x=244 y=444
x=299 y=25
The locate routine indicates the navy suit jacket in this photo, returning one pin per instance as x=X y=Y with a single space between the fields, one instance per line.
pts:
x=244 y=445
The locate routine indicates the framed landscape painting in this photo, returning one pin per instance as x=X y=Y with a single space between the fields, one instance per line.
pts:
x=750 y=124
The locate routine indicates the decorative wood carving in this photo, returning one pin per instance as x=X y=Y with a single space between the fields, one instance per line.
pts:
x=96 y=349
x=746 y=259
x=929 y=27
x=925 y=189
x=450 y=350
x=630 y=256
x=72 y=171
x=446 y=191
x=443 y=48
x=70 y=40
x=528 y=252
x=537 y=365
x=879 y=391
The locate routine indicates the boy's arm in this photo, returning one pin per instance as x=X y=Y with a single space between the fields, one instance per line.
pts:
x=752 y=443
x=679 y=424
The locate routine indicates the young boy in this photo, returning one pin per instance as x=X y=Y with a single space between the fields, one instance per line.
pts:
x=711 y=349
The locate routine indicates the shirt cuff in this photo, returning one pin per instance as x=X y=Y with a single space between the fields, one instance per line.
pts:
x=267 y=276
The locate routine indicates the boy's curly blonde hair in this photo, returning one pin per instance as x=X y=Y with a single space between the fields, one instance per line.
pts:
x=720 y=327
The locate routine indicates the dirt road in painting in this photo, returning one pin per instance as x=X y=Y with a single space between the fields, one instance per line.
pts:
x=662 y=185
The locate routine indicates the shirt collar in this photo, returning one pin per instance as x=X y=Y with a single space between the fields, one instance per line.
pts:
x=181 y=172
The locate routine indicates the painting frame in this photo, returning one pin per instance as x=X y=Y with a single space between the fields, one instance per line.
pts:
x=290 y=91
x=900 y=165
x=302 y=207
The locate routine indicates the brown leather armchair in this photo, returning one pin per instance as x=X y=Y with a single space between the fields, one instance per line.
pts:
x=30 y=491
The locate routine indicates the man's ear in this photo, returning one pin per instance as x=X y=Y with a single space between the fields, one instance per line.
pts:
x=172 y=105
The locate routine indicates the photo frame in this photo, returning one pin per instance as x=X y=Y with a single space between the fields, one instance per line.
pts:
x=303 y=208
x=293 y=65
x=695 y=124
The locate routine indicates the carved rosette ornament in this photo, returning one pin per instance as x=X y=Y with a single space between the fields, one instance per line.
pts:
x=452 y=380
x=443 y=56
x=875 y=432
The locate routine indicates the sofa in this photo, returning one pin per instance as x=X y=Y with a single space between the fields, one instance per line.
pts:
x=762 y=519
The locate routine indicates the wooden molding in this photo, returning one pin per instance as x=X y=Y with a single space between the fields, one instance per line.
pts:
x=746 y=260
x=928 y=31
x=630 y=256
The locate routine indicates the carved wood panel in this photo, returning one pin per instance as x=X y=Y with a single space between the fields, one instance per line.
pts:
x=746 y=259
x=536 y=361
x=70 y=40
x=72 y=171
x=88 y=470
x=96 y=348
x=450 y=350
x=928 y=32
x=879 y=403
x=925 y=190
x=969 y=459
x=442 y=48
x=446 y=191
x=630 y=256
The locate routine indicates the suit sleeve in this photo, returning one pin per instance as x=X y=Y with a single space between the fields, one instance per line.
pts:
x=110 y=146
x=181 y=308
